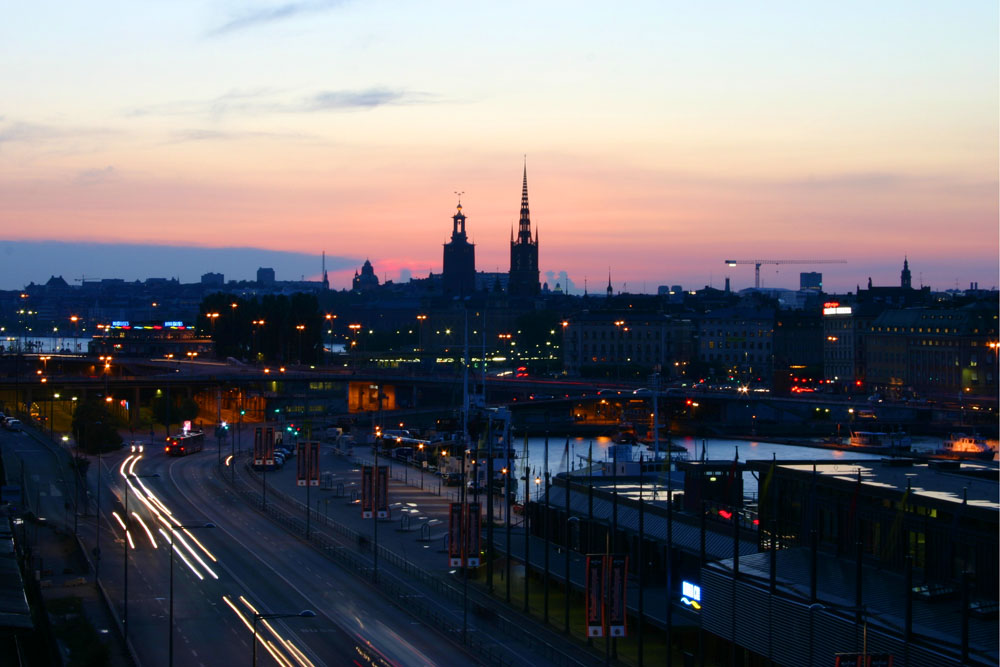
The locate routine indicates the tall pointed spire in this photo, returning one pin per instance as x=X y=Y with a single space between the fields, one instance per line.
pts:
x=524 y=250
x=524 y=225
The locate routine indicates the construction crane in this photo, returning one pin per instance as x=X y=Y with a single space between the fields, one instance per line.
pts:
x=757 y=262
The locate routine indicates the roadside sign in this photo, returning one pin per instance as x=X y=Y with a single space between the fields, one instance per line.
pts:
x=595 y=596
x=367 y=491
x=307 y=466
x=472 y=528
x=258 y=446
x=455 y=535
x=617 y=582
x=269 y=446
x=382 y=491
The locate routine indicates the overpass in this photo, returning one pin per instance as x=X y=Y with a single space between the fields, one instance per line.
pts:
x=539 y=404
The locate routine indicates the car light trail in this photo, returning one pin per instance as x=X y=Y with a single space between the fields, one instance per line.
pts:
x=201 y=546
x=183 y=557
x=121 y=523
x=303 y=660
x=121 y=468
x=182 y=542
x=281 y=660
x=229 y=459
x=149 y=533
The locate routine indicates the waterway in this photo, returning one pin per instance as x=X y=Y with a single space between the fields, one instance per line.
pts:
x=571 y=453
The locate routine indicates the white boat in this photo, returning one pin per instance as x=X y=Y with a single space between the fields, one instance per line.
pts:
x=962 y=446
x=896 y=441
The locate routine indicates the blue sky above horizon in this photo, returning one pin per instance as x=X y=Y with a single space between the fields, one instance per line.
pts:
x=661 y=138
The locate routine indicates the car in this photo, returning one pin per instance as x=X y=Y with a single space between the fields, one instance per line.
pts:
x=12 y=424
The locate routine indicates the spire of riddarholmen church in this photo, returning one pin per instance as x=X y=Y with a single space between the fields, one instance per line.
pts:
x=524 y=225
x=524 y=251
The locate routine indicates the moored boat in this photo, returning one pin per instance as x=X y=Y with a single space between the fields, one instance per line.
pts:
x=878 y=440
x=962 y=446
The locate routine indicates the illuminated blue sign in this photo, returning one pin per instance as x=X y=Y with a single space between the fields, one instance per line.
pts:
x=691 y=594
x=173 y=324
x=120 y=323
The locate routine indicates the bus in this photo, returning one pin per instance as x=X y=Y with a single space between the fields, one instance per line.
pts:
x=185 y=443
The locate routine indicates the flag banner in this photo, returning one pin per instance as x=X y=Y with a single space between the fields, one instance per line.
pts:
x=455 y=535
x=269 y=446
x=367 y=491
x=382 y=492
x=301 y=464
x=617 y=584
x=472 y=534
x=314 y=464
x=258 y=446
x=595 y=596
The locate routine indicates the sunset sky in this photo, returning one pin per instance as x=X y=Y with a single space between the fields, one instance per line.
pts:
x=661 y=138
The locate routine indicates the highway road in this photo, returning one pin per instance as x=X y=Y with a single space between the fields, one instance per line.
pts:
x=244 y=563
x=247 y=564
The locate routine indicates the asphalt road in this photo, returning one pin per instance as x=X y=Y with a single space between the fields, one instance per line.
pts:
x=258 y=565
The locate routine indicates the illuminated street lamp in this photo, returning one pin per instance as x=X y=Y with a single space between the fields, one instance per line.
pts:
x=211 y=318
x=257 y=616
x=300 y=328
x=420 y=332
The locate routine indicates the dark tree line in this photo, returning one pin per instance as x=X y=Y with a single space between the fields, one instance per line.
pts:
x=275 y=328
x=95 y=427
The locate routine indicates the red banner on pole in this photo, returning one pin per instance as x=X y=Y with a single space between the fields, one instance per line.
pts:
x=472 y=534
x=367 y=491
x=617 y=584
x=302 y=463
x=307 y=466
x=269 y=446
x=595 y=596
x=258 y=446
x=314 y=464
x=455 y=535
x=382 y=495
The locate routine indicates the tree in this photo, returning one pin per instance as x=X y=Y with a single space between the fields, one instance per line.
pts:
x=167 y=411
x=95 y=427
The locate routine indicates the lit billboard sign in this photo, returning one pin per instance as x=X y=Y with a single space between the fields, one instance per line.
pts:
x=691 y=594
x=837 y=310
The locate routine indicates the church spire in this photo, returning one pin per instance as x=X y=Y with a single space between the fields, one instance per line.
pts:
x=524 y=225
x=904 y=276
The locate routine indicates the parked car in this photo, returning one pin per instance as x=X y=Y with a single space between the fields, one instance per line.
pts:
x=12 y=424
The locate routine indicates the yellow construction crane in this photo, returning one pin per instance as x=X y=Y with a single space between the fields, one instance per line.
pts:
x=757 y=262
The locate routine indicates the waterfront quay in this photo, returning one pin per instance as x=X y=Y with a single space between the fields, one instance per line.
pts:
x=835 y=556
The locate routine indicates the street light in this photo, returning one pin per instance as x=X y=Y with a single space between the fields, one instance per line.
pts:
x=300 y=328
x=305 y=613
x=173 y=531
x=420 y=331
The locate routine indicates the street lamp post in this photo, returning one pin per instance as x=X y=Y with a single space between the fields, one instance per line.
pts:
x=300 y=328
x=330 y=317
x=170 y=649
x=305 y=613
